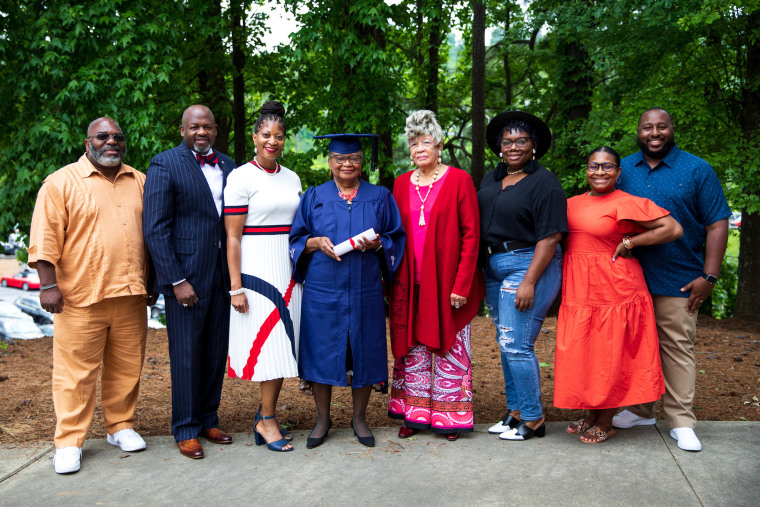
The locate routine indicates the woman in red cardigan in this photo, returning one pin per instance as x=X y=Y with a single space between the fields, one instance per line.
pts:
x=436 y=291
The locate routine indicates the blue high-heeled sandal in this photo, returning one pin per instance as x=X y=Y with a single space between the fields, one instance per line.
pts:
x=260 y=440
x=285 y=433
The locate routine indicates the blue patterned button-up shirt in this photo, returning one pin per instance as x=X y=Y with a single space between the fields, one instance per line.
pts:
x=686 y=186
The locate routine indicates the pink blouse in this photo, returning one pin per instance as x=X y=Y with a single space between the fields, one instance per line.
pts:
x=419 y=232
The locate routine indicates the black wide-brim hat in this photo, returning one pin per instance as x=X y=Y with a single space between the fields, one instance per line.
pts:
x=539 y=127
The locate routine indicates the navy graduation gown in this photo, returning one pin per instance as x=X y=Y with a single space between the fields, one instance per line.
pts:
x=343 y=300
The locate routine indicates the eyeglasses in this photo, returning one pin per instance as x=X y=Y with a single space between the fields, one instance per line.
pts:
x=606 y=167
x=104 y=136
x=342 y=159
x=520 y=142
x=427 y=143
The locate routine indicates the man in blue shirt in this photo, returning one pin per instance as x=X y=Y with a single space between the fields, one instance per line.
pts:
x=679 y=279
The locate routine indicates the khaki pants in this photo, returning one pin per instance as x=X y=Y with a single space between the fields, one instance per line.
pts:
x=676 y=330
x=112 y=333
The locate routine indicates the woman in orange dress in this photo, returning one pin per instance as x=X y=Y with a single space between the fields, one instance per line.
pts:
x=607 y=353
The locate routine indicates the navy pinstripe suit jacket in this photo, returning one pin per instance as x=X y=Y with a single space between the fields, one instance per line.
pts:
x=181 y=226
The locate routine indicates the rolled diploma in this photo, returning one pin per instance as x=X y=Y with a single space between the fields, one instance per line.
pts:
x=353 y=243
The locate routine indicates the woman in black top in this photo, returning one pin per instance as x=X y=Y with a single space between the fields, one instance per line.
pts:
x=523 y=217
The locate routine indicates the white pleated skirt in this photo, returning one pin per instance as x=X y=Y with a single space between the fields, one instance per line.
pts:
x=264 y=341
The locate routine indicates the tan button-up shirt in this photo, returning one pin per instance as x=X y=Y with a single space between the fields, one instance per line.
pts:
x=90 y=229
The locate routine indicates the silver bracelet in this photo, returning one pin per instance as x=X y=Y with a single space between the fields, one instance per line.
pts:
x=236 y=292
x=46 y=287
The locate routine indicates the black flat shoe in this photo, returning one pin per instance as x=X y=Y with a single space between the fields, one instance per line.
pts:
x=368 y=441
x=312 y=442
x=523 y=432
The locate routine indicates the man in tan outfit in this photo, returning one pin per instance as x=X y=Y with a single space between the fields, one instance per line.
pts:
x=86 y=243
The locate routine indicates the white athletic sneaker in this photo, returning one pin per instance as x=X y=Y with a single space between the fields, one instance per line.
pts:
x=67 y=459
x=128 y=440
x=687 y=439
x=627 y=419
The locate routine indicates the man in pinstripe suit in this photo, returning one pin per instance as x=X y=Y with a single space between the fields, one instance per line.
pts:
x=184 y=232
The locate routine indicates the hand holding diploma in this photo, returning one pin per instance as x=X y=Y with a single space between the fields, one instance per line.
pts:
x=364 y=241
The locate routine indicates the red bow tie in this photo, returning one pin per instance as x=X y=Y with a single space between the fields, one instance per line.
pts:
x=207 y=159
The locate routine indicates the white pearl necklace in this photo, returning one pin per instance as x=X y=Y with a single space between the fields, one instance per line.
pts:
x=430 y=188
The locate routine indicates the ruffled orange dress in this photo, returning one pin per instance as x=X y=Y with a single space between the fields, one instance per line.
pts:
x=607 y=352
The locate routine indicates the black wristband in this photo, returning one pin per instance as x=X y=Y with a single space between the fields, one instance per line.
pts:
x=711 y=279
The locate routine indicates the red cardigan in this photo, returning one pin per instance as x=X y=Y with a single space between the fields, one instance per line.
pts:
x=449 y=264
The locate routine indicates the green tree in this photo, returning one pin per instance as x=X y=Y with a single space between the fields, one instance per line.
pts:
x=346 y=78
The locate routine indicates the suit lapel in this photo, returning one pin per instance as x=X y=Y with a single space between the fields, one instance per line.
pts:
x=192 y=164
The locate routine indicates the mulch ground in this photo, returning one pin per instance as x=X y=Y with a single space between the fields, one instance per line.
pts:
x=728 y=385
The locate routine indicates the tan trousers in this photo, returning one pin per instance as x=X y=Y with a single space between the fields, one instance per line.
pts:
x=112 y=333
x=676 y=330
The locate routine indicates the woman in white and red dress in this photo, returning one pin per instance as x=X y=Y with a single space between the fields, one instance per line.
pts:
x=436 y=291
x=260 y=202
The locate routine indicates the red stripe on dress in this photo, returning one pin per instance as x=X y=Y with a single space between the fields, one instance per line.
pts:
x=264 y=230
x=264 y=331
x=230 y=372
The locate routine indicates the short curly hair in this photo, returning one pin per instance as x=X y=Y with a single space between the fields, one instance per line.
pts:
x=423 y=123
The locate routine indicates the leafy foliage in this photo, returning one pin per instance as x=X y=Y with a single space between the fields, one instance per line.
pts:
x=589 y=68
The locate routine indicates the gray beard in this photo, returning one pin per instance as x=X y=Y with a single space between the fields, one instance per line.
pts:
x=198 y=150
x=107 y=161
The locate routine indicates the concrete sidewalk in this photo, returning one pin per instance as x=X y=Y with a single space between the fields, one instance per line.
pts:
x=640 y=466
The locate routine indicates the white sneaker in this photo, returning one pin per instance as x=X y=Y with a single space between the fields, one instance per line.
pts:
x=128 y=440
x=627 y=419
x=67 y=459
x=687 y=439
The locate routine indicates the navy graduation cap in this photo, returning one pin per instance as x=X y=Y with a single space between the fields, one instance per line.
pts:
x=344 y=144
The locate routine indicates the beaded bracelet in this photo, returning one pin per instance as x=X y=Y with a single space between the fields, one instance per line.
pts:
x=236 y=292
x=627 y=242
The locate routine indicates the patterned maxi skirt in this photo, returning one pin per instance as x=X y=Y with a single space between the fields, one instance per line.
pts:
x=430 y=391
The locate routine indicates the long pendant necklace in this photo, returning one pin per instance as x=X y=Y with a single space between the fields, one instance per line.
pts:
x=430 y=188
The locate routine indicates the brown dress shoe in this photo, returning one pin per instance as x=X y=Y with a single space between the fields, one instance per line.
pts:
x=216 y=436
x=191 y=448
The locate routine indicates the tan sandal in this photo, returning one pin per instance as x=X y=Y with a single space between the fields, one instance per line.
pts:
x=598 y=435
x=578 y=427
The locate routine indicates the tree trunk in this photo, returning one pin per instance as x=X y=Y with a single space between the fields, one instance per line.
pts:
x=211 y=80
x=477 y=169
x=383 y=129
x=434 y=60
x=238 y=81
x=747 y=304
x=507 y=72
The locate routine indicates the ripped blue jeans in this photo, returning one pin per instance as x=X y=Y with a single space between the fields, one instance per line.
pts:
x=516 y=331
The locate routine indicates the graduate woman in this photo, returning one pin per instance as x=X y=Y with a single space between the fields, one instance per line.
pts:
x=343 y=312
